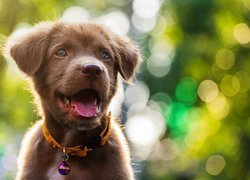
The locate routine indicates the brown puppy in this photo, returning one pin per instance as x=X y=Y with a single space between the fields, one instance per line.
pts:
x=74 y=68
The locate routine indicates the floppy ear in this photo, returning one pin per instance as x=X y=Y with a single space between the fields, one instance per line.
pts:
x=28 y=51
x=128 y=58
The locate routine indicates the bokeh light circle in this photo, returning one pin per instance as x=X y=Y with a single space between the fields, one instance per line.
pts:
x=186 y=90
x=117 y=21
x=225 y=59
x=242 y=33
x=219 y=108
x=215 y=164
x=143 y=25
x=145 y=129
x=159 y=63
x=230 y=85
x=208 y=90
x=75 y=14
x=244 y=79
x=137 y=93
x=146 y=8
x=158 y=66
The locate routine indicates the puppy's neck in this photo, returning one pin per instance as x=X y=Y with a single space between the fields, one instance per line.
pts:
x=70 y=137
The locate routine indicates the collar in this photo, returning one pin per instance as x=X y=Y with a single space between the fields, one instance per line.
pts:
x=80 y=150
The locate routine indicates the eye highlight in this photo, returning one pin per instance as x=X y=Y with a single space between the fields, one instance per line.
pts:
x=61 y=52
x=105 y=55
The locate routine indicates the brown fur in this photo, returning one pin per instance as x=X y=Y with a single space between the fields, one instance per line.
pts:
x=52 y=75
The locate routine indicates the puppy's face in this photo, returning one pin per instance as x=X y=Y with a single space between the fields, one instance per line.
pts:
x=74 y=68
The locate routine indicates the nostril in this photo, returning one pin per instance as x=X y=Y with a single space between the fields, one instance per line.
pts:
x=91 y=69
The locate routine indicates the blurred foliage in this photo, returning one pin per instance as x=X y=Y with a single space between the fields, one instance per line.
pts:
x=203 y=95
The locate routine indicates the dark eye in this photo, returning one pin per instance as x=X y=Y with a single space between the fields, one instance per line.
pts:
x=104 y=55
x=61 y=52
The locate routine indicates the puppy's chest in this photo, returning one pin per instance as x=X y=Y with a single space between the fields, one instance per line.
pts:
x=79 y=169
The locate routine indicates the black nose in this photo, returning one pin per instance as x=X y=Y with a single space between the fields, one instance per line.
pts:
x=91 y=70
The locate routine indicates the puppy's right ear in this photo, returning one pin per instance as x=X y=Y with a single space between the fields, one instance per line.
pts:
x=28 y=51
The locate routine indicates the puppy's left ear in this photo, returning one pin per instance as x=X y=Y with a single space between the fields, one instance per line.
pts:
x=28 y=50
x=128 y=58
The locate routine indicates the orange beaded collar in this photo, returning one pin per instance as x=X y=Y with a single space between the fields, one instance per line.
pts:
x=79 y=150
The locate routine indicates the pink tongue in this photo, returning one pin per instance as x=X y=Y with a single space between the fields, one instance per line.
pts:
x=85 y=108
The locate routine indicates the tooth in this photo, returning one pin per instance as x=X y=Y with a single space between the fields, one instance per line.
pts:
x=66 y=100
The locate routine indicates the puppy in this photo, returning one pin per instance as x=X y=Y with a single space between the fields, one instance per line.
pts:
x=73 y=69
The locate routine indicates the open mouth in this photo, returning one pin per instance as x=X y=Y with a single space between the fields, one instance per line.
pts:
x=85 y=103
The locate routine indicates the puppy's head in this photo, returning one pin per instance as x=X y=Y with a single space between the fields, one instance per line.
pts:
x=74 y=69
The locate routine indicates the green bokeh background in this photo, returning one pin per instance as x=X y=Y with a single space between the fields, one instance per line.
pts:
x=210 y=40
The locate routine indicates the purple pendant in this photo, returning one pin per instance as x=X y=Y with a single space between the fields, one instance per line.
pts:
x=64 y=168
